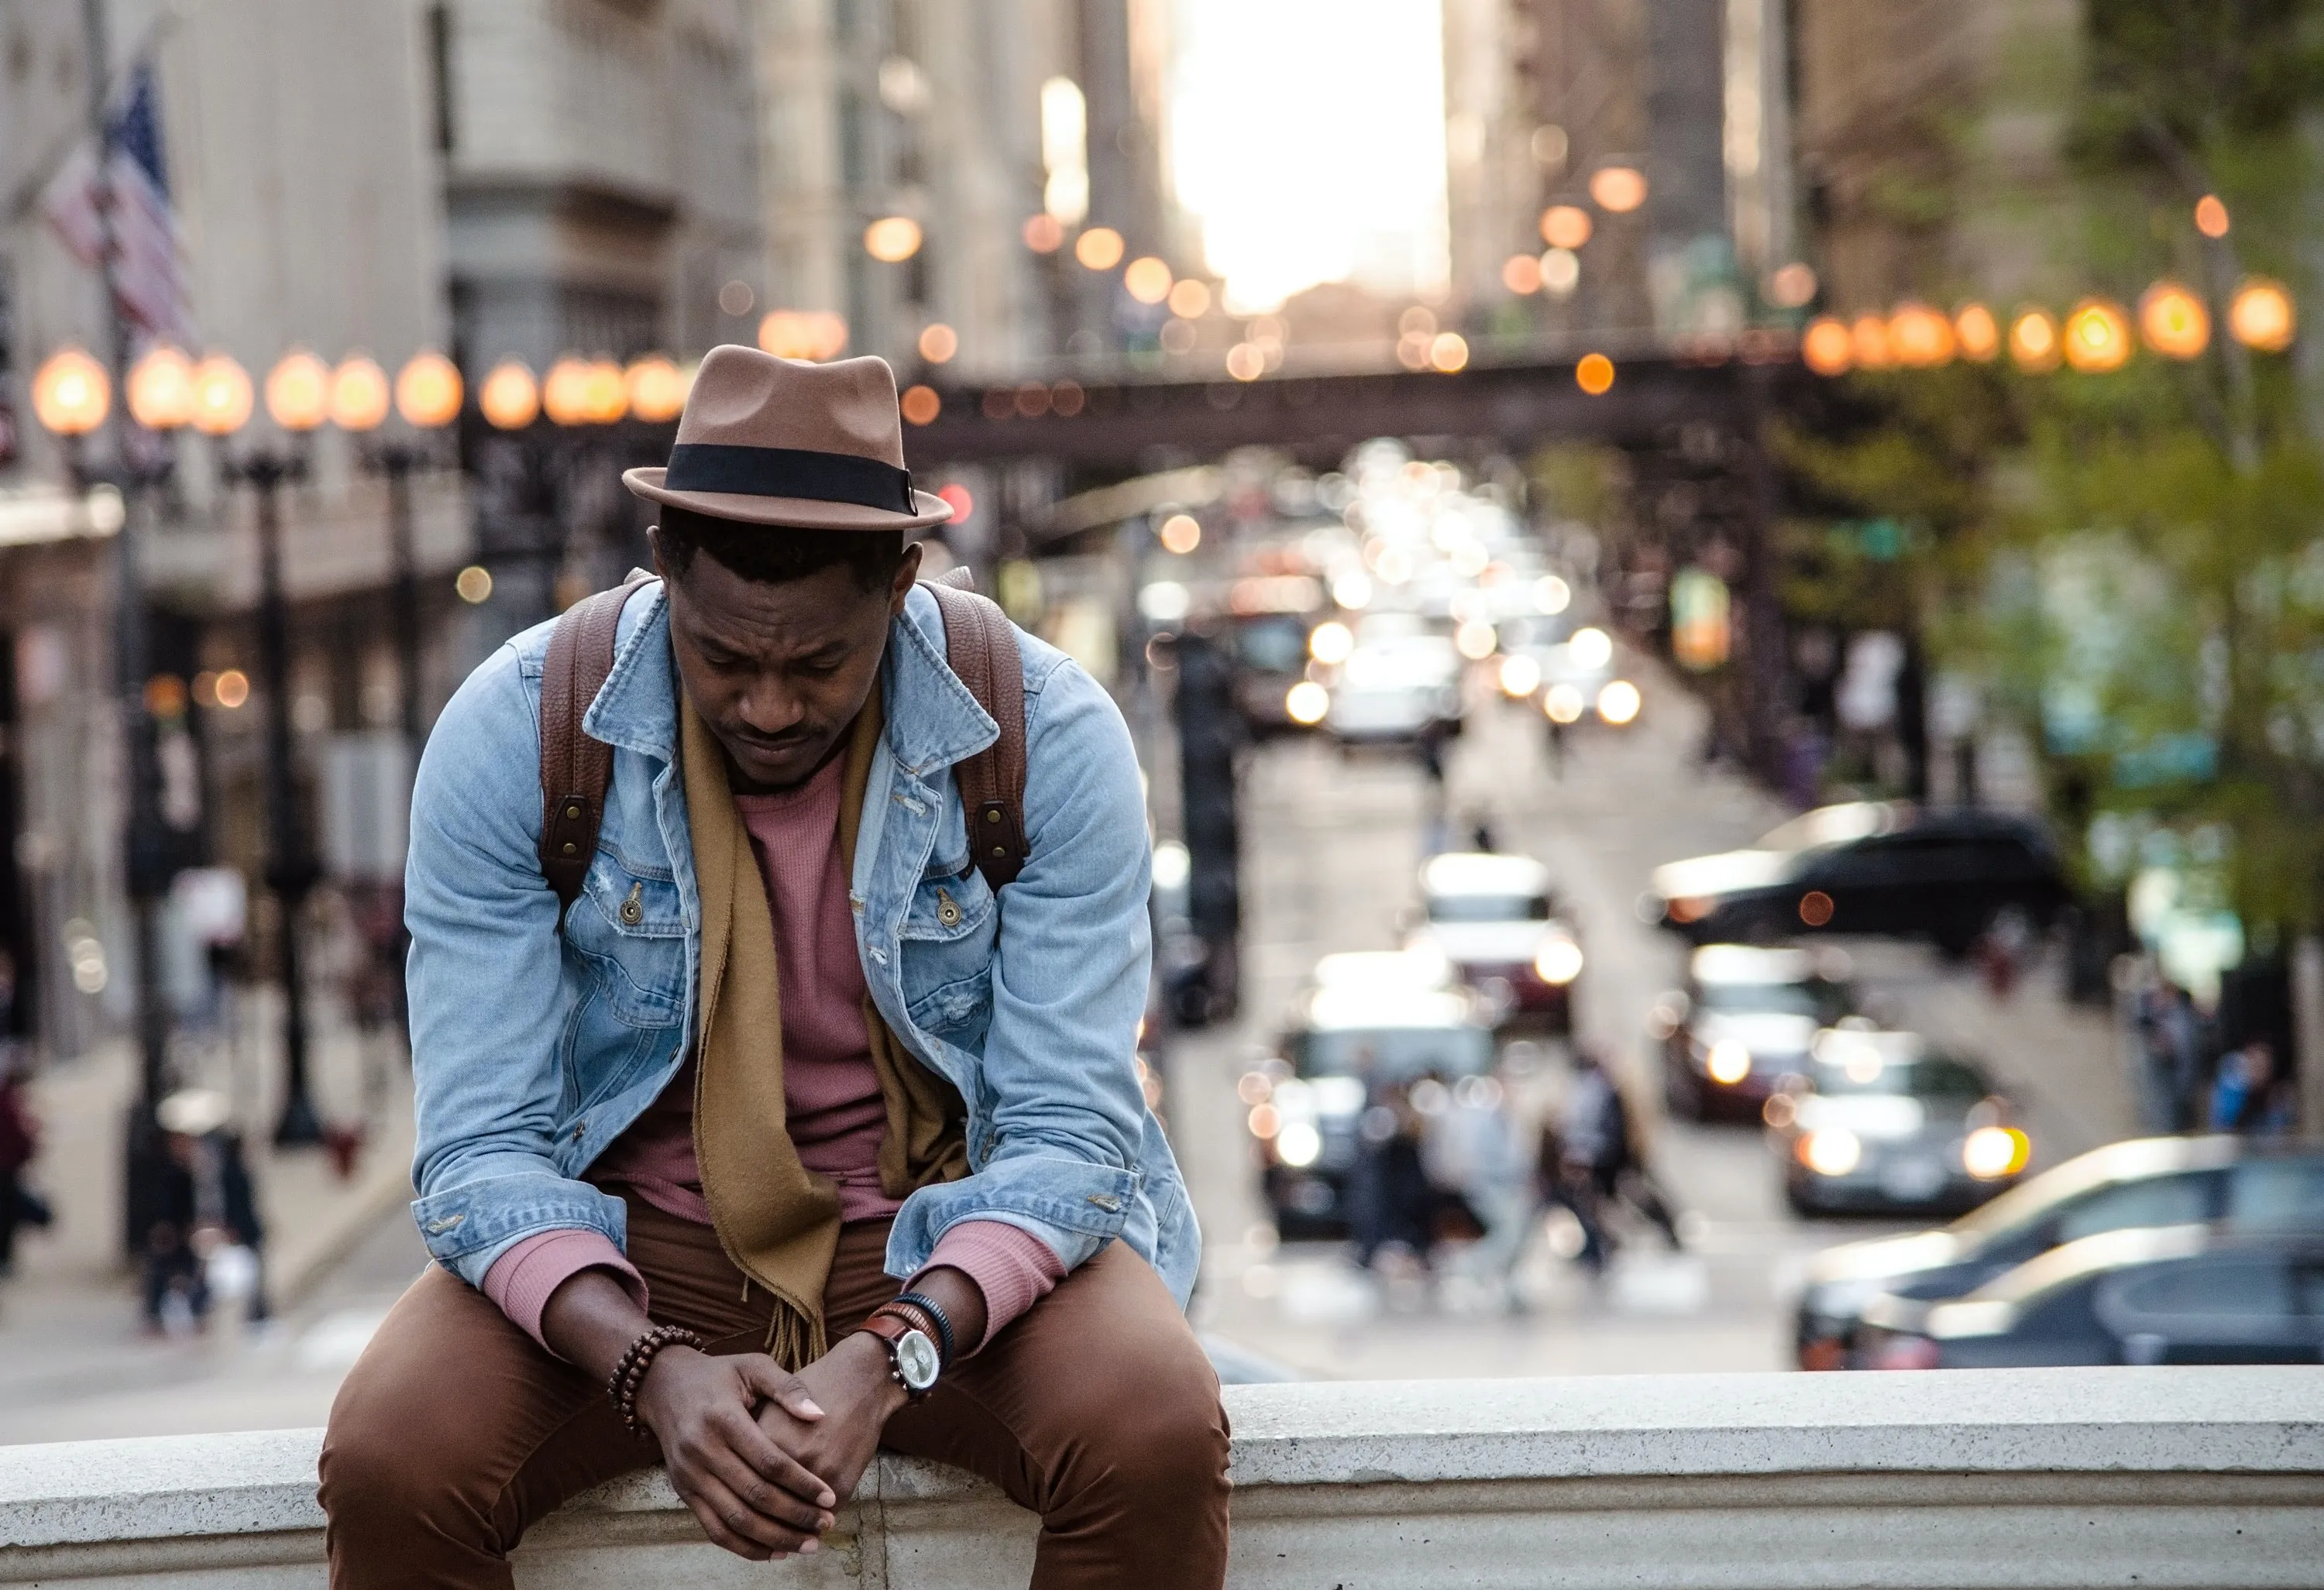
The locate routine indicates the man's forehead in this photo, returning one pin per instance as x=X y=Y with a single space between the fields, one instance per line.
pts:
x=793 y=619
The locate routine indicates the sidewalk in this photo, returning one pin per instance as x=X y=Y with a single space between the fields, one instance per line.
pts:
x=68 y=1318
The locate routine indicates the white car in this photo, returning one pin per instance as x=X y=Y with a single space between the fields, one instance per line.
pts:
x=1400 y=680
x=1494 y=918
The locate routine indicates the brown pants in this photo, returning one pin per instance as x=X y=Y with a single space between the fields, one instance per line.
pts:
x=1096 y=1409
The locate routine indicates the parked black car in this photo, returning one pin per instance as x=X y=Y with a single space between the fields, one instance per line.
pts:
x=1745 y=1021
x=1870 y=867
x=2169 y=1294
x=2144 y=1182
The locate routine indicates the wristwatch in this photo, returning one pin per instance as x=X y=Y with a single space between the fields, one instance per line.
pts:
x=912 y=1357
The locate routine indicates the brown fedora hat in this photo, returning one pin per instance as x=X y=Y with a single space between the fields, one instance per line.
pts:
x=770 y=441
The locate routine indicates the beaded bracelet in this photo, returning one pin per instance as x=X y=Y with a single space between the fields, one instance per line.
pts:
x=628 y=1376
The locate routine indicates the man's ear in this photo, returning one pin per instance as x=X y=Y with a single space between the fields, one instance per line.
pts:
x=653 y=541
x=907 y=573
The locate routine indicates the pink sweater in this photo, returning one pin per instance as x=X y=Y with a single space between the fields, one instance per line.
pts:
x=836 y=1117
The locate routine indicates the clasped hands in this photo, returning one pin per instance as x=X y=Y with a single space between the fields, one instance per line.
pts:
x=763 y=1456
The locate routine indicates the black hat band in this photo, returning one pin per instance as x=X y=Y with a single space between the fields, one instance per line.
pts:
x=789 y=472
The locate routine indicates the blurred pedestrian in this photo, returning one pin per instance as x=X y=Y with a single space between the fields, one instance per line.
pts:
x=1477 y=1153
x=1556 y=744
x=1391 y=1200
x=20 y=1143
x=1601 y=1162
x=2249 y=1098
x=2184 y=1040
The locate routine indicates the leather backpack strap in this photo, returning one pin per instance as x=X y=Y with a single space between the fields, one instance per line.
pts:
x=981 y=645
x=575 y=770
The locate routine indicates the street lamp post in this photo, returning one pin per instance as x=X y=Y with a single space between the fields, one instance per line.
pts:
x=297 y=398
x=72 y=397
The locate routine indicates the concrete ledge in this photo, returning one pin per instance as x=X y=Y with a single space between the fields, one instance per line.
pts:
x=2068 y=1477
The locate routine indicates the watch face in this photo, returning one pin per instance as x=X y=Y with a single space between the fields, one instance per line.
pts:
x=915 y=1360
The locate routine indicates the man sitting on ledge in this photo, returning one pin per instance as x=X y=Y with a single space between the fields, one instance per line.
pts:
x=680 y=1139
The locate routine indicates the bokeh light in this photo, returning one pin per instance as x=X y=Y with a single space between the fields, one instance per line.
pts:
x=1099 y=249
x=1147 y=280
x=2034 y=341
x=428 y=390
x=920 y=405
x=474 y=584
x=938 y=342
x=161 y=388
x=2097 y=337
x=2210 y=216
x=1920 y=337
x=657 y=389
x=565 y=391
x=1565 y=225
x=1521 y=274
x=71 y=394
x=1189 y=300
x=1561 y=272
x=2262 y=316
x=803 y=334
x=1181 y=533
x=1828 y=345
x=1792 y=286
x=1448 y=353
x=1977 y=332
x=1044 y=234
x=893 y=239
x=1869 y=344
x=1619 y=188
x=510 y=400
x=223 y=397
x=1594 y=374
x=2172 y=321
x=299 y=392
x=360 y=397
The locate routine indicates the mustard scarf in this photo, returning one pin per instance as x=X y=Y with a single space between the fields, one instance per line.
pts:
x=777 y=1221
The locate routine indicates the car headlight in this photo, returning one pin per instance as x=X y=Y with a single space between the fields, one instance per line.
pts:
x=1830 y=1151
x=1299 y=1145
x=1559 y=961
x=1991 y=1152
x=1730 y=1062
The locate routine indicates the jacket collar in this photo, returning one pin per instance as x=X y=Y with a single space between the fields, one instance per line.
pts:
x=933 y=719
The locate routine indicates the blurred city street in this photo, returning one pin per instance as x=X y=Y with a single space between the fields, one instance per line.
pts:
x=1333 y=850
x=1756 y=567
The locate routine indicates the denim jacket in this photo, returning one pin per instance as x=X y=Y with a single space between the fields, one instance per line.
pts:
x=533 y=1051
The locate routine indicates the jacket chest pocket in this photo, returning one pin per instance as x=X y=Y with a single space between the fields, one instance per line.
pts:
x=947 y=938
x=630 y=932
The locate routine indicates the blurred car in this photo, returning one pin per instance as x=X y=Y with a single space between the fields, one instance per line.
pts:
x=1398 y=682
x=1493 y=918
x=2147 y=1294
x=1867 y=867
x=1350 y=1036
x=1744 y=1021
x=1879 y=1122
x=2148 y=1181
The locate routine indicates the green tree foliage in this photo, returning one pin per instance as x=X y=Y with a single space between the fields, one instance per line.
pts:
x=2135 y=560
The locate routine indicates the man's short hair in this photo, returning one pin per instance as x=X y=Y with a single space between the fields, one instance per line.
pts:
x=776 y=555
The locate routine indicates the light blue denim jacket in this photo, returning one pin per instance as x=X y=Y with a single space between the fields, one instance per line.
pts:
x=532 y=1052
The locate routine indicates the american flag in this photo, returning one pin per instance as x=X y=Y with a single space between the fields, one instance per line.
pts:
x=132 y=194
